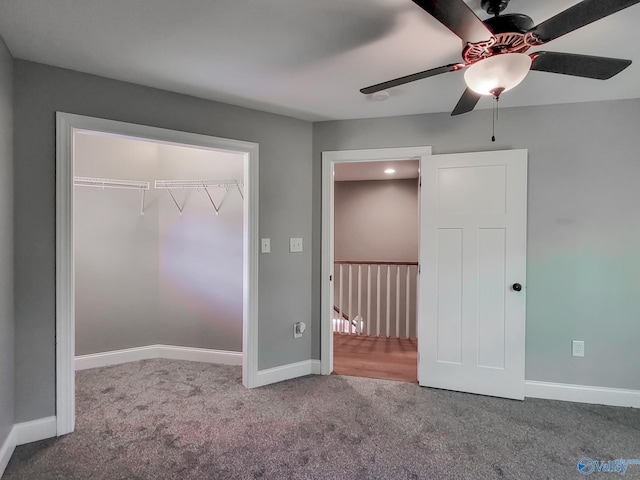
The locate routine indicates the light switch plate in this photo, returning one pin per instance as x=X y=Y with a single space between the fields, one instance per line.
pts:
x=295 y=245
x=266 y=245
x=577 y=348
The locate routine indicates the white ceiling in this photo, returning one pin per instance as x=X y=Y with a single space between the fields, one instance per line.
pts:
x=304 y=58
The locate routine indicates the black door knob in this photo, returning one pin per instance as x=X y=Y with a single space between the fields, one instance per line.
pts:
x=516 y=287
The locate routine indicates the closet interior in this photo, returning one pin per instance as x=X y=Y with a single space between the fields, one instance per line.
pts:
x=158 y=245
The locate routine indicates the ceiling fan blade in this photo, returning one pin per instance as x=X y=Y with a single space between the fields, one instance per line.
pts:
x=411 y=78
x=467 y=102
x=579 y=15
x=457 y=17
x=600 y=68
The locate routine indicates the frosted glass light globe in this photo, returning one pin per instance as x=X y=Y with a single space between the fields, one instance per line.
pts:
x=498 y=73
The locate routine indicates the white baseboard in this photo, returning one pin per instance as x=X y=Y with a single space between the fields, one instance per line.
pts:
x=27 y=432
x=615 y=397
x=287 y=372
x=200 y=355
x=116 y=357
x=6 y=450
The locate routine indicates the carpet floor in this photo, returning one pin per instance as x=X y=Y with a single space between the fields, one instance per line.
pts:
x=166 y=419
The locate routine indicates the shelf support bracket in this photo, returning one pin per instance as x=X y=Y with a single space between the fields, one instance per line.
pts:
x=215 y=207
x=175 y=201
x=142 y=192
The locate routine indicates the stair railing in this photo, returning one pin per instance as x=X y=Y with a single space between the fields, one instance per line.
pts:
x=375 y=298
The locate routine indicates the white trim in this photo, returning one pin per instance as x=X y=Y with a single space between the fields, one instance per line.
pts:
x=7 y=449
x=116 y=357
x=287 y=372
x=66 y=125
x=329 y=159
x=35 y=430
x=65 y=278
x=205 y=355
x=615 y=397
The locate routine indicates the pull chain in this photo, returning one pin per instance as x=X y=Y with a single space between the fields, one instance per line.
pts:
x=494 y=119
x=496 y=94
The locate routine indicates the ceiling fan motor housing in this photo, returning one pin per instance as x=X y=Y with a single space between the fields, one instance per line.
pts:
x=511 y=34
x=511 y=22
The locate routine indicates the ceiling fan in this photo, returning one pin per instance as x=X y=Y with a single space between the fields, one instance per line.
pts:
x=494 y=49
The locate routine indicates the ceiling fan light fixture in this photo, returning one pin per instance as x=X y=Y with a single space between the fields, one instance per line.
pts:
x=498 y=73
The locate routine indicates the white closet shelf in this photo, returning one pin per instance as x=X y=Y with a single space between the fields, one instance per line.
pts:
x=179 y=184
x=168 y=185
x=109 y=183
x=114 y=183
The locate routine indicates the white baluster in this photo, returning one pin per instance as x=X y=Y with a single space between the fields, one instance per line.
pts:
x=340 y=319
x=368 y=299
x=407 y=298
x=397 y=301
x=378 y=301
x=415 y=300
x=350 y=314
x=388 y=331
x=358 y=328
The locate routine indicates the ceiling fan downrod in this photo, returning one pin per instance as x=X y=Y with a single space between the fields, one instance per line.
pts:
x=494 y=7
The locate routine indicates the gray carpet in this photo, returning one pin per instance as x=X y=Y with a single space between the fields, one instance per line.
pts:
x=164 y=419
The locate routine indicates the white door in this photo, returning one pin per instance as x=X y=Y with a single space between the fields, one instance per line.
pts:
x=473 y=211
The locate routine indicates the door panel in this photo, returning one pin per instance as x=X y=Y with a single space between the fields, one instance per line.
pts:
x=450 y=305
x=475 y=190
x=472 y=249
x=491 y=296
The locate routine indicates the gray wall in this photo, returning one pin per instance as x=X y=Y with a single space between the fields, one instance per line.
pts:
x=285 y=209
x=583 y=260
x=161 y=277
x=6 y=244
x=376 y=220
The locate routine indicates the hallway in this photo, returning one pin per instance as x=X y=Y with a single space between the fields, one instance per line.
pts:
x=375 y=357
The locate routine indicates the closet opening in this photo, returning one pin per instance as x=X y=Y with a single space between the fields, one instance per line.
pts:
x=157 y=234
x=156 y=250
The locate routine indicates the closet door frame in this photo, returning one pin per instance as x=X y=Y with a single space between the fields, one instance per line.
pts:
x=67 y=124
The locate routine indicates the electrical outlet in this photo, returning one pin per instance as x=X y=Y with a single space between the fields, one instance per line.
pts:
x=266 y=245
x=578 y=348
x=295 y=245
x=298 y=329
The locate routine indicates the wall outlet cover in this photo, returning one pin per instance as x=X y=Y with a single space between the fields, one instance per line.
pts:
x=295 y=245
x=577 y=348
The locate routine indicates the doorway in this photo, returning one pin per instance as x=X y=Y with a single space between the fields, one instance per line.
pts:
x=340 y=325
x=68 y=128
x=472 y=261
x=376 y=269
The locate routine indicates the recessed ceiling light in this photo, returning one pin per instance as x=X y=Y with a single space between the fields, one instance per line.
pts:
x=389 y=171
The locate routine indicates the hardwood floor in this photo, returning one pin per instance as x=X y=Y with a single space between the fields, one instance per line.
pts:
x=375 y=357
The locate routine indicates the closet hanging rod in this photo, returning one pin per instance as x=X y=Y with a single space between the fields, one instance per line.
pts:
x=110 y=183
x=178 y=184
